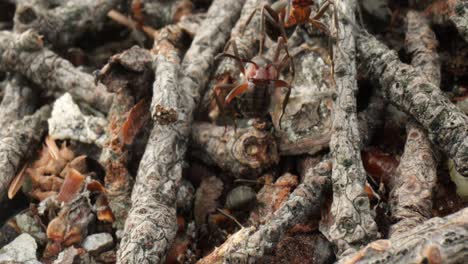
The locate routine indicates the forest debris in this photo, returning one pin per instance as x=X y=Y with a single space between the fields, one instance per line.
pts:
x=302 y=248
x=68 y=122
x=69 y=255
x=129 y=76
x=240 y=197
x=132 y=25
x=185 y=196
x=96 y=243
x=24 y=53
x=27 y=223
x=353 y=225
x=271 y=197
x=160 y=13
x=62 y=23
x=151 y=217
x=412 y=186
x=17 y=143
x=422 y=44
x=379 y=165
x=206 y=199
x=371 y=119
x=438 y=240
x=411 y=196
x=459 y=17
x=21 y=250
x=242 y=152
x=19 y=99
x=307 y=122
x=409 y=90
x=251 y=243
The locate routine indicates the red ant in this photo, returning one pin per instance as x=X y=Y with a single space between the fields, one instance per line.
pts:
x=260 y=81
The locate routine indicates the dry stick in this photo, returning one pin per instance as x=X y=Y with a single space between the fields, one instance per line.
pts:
x=411 y=196
x=62 y=23
x=459 y=17
x=128 y=22
x=410 y=91
x=151 y=225
x=249 y=244
x=242 y=152
x=25 y=54
x=162 y=12
x=247 y=45
x=19 y=100
x=438 y=240
x=17 y=142
x=353 y=224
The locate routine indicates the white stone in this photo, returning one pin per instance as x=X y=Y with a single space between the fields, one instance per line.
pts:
x=21 y=250
x=98 y=242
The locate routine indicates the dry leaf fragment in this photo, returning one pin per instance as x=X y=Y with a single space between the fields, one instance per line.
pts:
x=17 y=182
x=136 y=119
x=71 y=186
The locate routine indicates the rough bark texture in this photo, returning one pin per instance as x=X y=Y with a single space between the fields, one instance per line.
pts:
x=19 y=99
x=411 y=196
x=307 y=122
x=249 y=244
x=24 y=53
x=16 y=144
x=242 y=152
x=68 y=122
x=151 y=225
x=161 y=12
x=410 y=91
x=62 y=22
x=353 y=225
x=438 y=240
x=459 y=17
x=422 y=44
x=371 y=119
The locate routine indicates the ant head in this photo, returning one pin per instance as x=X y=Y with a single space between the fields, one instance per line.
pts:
x=261 y=68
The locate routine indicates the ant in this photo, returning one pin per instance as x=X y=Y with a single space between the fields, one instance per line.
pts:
x=260 y=81
x=282 y=18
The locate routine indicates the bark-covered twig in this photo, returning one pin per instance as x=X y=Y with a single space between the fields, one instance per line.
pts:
x=129 y=75
x=68 y=122
x=17 y=142
x=161 y=12
x=422 y=44
x=19 y=99
x=242 y=152
x=248 y=245
x=62 y=22
x=411 y=196
x=25 y=54
x=353 y=225
x=438 y=240
x=371 y=119
x=151 y=225
x=412 y=92
x=459 y=17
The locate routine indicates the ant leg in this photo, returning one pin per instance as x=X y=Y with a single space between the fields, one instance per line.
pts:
x=240 y=89
x=236 y=56
x=279 y=23
x=262 y=31
x=283 y=45
x=242 y=30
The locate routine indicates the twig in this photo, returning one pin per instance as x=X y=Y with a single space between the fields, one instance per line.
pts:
x=410 y=91
x=459 y=17
x=249 y=244
x=242 y=152
x=353 y=225
x=19 y=100
x=438 y=240
x=151 y=225
x=25 y=54
x=17 y=142
x=128 y=22
x=62 y=22
x=411 y=196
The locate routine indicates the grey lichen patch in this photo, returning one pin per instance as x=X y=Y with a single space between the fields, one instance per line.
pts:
x=68 y=122
x=165 y=116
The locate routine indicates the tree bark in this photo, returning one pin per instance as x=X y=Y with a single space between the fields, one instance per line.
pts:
x=151 y=225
